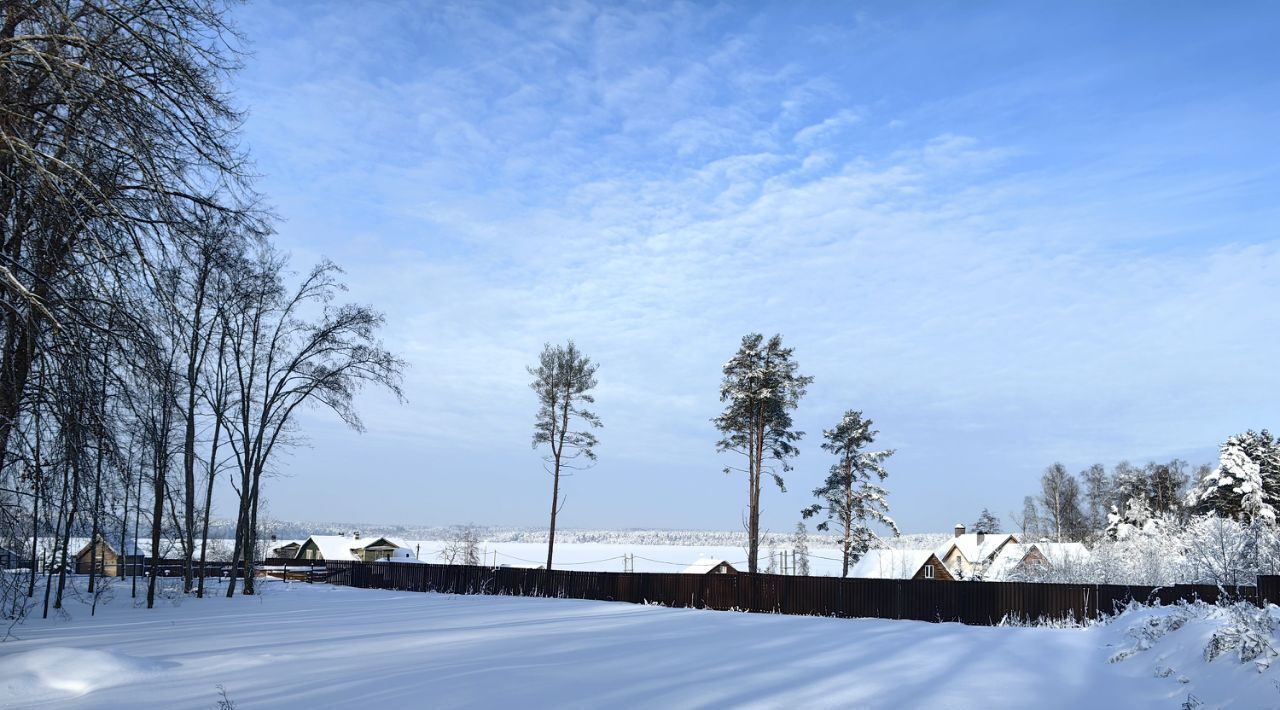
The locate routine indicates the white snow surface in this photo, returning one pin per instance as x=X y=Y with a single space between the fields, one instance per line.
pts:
x=304 y=646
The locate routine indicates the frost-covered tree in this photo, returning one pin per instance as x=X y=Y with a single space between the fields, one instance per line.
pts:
x=1220 y=551
x=1236 y=488
x=1060 y=504
x=852 y=495
x=563 y=381
x=760 y=389
x=1097 y=495
x=987 y=524
x=461 y=546
x=800 y=549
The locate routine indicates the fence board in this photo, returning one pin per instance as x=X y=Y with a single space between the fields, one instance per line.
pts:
x=978 y=603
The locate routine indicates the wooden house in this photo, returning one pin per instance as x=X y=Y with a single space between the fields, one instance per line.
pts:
x=967 y=555
x=901 y=564
x=709 y=565
x=109 y=562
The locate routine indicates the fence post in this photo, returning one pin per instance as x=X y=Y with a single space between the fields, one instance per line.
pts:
x=1268 y=589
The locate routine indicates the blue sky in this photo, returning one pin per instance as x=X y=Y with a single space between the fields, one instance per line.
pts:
x=1010 y=233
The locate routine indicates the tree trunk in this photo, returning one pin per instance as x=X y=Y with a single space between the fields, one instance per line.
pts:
x=557 y=450
x=251 y=533
x=848 y=522
x=757 y=481
x=555 y=503
x=208 y=503
x=132 y=551
x=157 y=520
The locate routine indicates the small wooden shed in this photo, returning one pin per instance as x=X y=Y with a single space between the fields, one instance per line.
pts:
x=109 y=561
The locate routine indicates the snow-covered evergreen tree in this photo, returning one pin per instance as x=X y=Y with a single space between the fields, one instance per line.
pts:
x=851 y=495
x=986 y=523
x=760 y=389
x=800 y=549
x=1236 y=488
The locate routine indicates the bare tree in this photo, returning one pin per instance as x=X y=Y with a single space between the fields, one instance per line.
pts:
x=282 y=359
x=1060 y=501
x=563 y=381
x=461 y=547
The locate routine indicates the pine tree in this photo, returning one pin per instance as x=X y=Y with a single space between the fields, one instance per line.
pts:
x=563 y=381
x=760 y=389
x=1167 y=483
x=1237 y=488
x=986 y=523
x=800 y=549
x=851 y=494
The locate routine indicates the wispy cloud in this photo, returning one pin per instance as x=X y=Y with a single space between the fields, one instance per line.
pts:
x=656 y=182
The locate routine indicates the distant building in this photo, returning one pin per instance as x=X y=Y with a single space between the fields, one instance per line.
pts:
x=967 y=555
x=342 y=548
x=708 y=565
x=10 y=559
x=1035 y=560
x=288 y=550
x=901 y=564
x=108 y=561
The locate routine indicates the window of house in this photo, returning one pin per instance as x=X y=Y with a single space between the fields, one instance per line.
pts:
x=928 y=571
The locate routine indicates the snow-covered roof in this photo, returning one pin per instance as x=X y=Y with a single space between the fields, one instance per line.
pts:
x=341 y=547
x=1057 y=554
x=1006 y=561
x=976 y=547
x=703 y=565
x=890 y=564
x=132 y=548
x=402 y=554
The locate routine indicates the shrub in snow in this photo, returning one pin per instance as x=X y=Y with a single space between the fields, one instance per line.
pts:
x=1248 y=630
x=1153 y=627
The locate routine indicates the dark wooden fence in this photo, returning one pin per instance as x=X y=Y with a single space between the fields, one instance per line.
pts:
x=979 y=603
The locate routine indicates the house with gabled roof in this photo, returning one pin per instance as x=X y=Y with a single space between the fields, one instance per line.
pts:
x=1020 y=562
x=109 y=562
x=341 y=548
x=900 y=564
x=968 y=555
x=709 y=565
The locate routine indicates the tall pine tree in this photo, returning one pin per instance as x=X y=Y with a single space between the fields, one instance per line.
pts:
x=851 y=495
x=563 y=381
x=760 y=389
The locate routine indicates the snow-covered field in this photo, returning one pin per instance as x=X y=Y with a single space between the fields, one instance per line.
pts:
x=306 y=646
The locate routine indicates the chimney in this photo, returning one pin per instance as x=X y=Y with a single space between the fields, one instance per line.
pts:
x=959 y=529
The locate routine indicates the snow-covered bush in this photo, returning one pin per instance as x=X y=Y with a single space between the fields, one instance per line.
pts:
x=1248 y=630
x=1221 y=551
